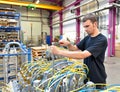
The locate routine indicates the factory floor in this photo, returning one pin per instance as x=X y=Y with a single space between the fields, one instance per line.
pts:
x=112 y=65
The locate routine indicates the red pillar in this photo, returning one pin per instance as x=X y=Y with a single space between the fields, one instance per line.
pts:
x=111 y=30
x=77 y=23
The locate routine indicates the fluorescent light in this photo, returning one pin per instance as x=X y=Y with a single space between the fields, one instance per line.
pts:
x=37 y=1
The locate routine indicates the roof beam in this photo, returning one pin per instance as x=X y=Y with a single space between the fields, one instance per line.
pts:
x=26 y=4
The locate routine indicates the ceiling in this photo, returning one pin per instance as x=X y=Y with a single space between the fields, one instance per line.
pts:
x=57 y=2
x=44 y=4
x=53 y=2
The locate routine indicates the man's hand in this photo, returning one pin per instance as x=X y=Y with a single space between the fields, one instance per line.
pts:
x=64 y=42
x=54 y=49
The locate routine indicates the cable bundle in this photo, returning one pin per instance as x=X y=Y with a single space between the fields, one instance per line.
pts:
x=68 y=78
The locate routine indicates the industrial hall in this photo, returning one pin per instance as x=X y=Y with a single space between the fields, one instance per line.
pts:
x=59 y=45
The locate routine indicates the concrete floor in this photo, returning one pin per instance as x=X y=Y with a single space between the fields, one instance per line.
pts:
x=112 y=65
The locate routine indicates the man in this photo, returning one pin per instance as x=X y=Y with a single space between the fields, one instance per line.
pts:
x=91 y=49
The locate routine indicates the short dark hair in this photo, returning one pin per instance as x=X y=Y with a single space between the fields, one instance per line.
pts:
x=91 y=16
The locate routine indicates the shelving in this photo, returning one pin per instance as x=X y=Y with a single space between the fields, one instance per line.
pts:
x=9 y=32
x=9 y=26
x=11 y=58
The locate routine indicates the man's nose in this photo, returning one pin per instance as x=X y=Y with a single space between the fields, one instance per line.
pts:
x=85 y=29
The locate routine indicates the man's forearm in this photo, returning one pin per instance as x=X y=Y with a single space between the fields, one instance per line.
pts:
x=71 y=54
x=72 y=47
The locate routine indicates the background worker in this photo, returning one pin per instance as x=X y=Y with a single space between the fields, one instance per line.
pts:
x=92 y=49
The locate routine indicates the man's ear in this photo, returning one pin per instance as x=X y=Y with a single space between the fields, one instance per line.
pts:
x=95 y=24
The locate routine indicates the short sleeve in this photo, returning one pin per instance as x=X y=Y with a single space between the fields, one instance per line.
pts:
x=81 y=44
x=98 y=47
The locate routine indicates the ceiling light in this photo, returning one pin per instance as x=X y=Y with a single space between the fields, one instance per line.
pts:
x=37 y=1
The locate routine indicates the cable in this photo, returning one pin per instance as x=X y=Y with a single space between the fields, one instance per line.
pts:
x=66 y=71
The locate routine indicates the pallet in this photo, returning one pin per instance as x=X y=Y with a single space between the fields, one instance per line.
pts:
x=38 y=51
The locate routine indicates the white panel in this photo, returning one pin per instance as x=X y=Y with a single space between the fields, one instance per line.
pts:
x=103 y=2
x=118 y=26
x=82 y=32
x=118 y=34
x=35 y=12
x=88 y=7
x=46 y=29
x=38 y=18
x=56 y=30
x=33 y=28
x=69 y=30
x=67 y=15
x=44 y=21
x=56 y=26
x=68 y=2
x=45 y=13
x=56 y=18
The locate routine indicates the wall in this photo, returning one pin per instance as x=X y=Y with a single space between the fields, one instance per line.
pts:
x=118 y=26
x=33 y=22
x=55 y=27
x=69 y=27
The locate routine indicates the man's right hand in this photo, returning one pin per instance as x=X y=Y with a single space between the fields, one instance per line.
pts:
x=63 y=42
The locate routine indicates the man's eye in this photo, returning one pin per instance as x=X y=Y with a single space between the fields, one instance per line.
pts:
x=86 y=26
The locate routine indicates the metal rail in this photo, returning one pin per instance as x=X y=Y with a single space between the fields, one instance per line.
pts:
x=98 y=10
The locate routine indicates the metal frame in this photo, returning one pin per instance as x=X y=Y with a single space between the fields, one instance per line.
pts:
x=7 y=55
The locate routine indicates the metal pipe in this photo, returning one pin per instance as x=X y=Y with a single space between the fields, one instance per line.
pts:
x=34 y=16
x=31 y=20
x=115 y=4
x=65 y=8
x=98 y=10
x=82 y=5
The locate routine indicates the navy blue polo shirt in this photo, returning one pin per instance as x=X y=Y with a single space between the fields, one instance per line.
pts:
x=97 y=47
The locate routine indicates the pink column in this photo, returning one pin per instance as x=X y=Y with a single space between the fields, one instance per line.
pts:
x=111 y=30
x=77 y=24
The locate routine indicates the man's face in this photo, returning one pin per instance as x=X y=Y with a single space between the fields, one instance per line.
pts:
x=89 y=27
